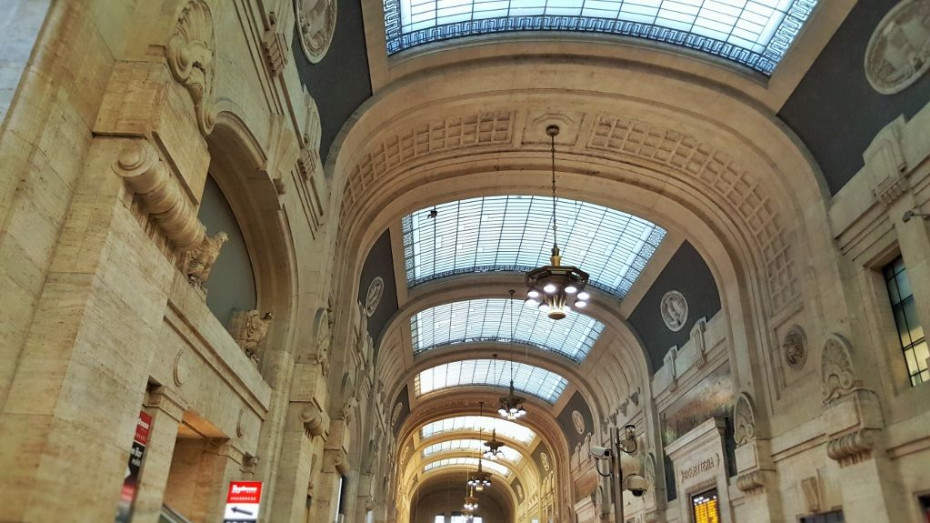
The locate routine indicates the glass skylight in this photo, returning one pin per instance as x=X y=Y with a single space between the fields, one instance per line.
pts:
x=473 y=445
x=754 y=33
x=536 y=381
x=514 y=233
x=468 y=462
x=507 y=429
x=489 y=320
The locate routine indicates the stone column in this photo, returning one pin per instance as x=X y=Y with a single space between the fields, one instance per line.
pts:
x=167 y=410
x=74 y=400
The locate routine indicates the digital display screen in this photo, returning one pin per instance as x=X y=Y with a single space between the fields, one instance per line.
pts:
x=704 y=507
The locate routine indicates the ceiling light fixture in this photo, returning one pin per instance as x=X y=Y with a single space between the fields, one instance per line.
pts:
x=493 y=450
x=555 y=288
x=480 y=479
x=471 y=501
x=511 y=405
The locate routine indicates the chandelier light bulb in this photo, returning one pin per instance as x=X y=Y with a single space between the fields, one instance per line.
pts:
x=531 y=303
x=502 y=411
x=549 y=288
x=533 y=294
x=571 y=289
x=584 y=296
x=581 y=304
x=544 y=307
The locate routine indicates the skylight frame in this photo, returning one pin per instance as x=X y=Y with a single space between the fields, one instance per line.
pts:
x=468 y=445
x=488 y=320
x=746 y=41
x=501 y=469
x=513 y=233
x=504 y=428
x=528 y=379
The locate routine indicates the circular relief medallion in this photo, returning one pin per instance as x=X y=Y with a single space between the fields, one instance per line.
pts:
x=316 y=22
x=545 y=460
x=396 y=414
x=793 y=348
x=674 y=309
x=898 y=53
x=373 y=297
x=578 y=422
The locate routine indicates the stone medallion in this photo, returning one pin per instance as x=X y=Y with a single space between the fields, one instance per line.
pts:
x=316 y=23
x=898 y=53
x=373 y=296
x=793 y=348
x=578 y=422
x=674 y=309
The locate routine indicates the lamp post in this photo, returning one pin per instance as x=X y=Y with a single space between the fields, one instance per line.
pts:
x=626 y=445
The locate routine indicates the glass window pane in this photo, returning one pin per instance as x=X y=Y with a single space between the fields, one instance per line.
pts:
x=543 y=384
x=913 y=324
x=489 y=320
x=512 y=233
x=753 y=34
x=507 y=429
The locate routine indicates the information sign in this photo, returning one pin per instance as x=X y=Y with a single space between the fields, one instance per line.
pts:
x=242 y=502
x=704 y=507
x=131 y=481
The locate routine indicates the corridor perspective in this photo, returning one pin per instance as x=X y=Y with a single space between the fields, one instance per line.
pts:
x=464 y=261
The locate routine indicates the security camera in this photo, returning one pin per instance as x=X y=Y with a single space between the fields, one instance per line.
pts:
x=637 y=485
x=600 y=452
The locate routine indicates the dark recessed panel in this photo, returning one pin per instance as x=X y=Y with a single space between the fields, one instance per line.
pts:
x=341 y=81
x=378 y=266
x=835 y=111
x=576 y=415
x=688 y=274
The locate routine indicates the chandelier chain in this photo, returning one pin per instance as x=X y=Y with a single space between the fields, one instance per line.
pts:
x=555 y=240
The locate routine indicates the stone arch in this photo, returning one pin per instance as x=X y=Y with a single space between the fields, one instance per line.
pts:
x=235 y=158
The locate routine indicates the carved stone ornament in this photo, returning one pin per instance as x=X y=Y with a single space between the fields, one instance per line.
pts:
x=810 y=487
x=373 y=296
x=191 y=58
x=316 y=23
x=898 y=53
x=180 y=368
x=852 y=448
x=674 y=310
x=744 y=420
x=249 y=329
x=793 y=348
x=836 y=369
x=163 y=199
x=578 y=422
x=395 y=415
x=323 y=339
x=198 y=262
x=544 y=458
x=751 y=482
x=520 y=492
x=312 y=419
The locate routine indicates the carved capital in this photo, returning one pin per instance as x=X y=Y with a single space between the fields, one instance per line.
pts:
x=163 y=198
x=744 y=420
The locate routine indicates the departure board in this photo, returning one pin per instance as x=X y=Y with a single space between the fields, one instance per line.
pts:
x=704 y=507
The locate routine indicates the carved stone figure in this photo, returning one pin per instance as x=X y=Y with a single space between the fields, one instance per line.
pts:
x=316 y=21
x=744 y=420
x=674 y=309
x=190 y=55
x=544 y=458
x=198 y=262
x=395 y=415
x=373 y=296
x=792 y=348
x=836 y=369
x=898 y=53
x=249 y=329
x=348 y=409
x=323 y=339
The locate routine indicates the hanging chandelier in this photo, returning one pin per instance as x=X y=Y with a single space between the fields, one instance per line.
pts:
x=471 y=500
x=556 y=288
x=480 y=479
x=493 y=450
x=511 y=405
